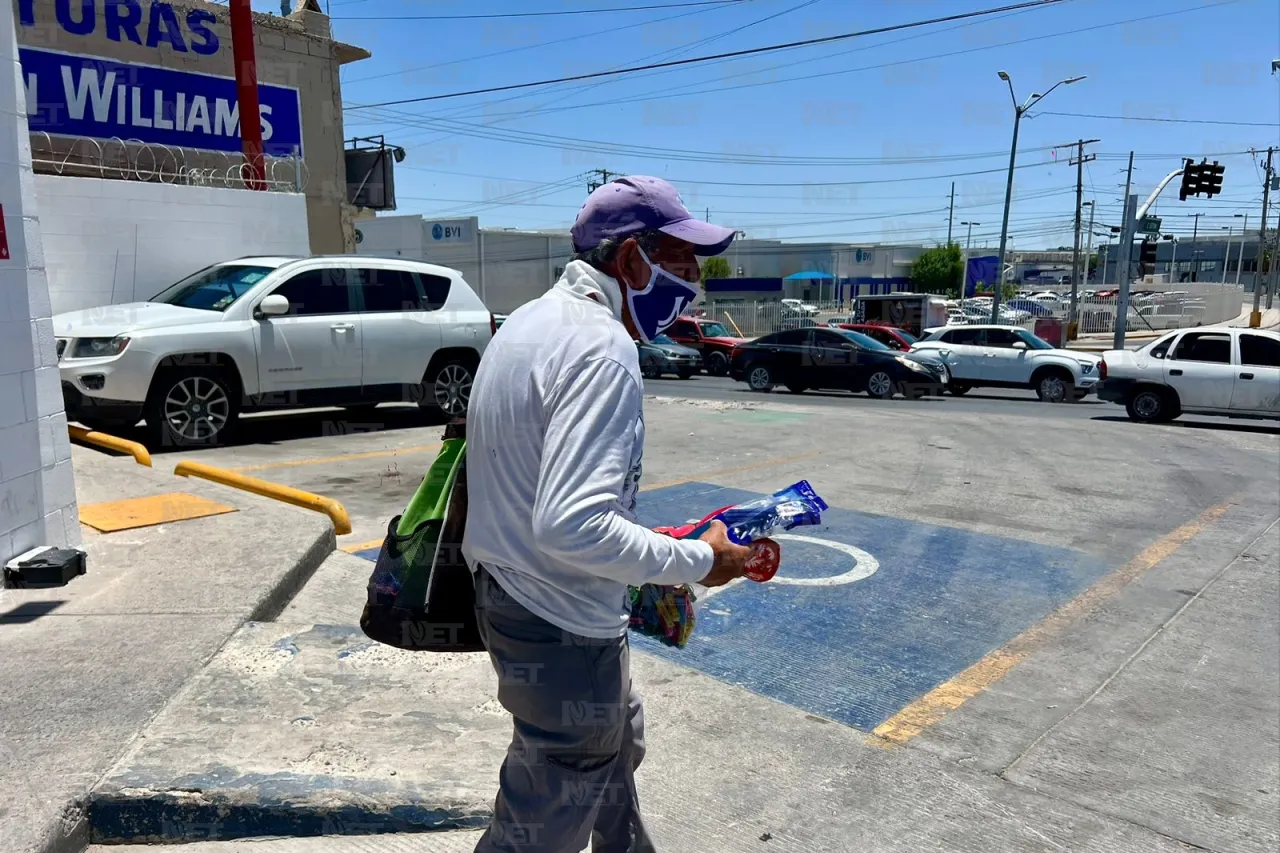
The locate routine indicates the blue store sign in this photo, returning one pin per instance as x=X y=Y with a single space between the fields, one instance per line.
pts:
x=76 y=95
x=127 y=20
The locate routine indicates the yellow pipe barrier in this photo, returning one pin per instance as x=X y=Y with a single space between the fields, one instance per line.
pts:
x=336 y=511
x=139 y=453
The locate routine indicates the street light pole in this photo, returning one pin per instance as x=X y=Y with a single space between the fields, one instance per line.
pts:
x=1244 y=231
x=1226 y=255
x=964 y=267
x=1018 y=112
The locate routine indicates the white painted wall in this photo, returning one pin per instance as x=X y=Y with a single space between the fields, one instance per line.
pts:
x=109 y=242
x=37 y=487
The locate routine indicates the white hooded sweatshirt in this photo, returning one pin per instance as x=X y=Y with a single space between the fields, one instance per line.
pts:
x=555 y=438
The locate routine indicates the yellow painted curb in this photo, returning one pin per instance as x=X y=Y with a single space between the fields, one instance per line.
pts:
x=317 y=503
x=139 y=453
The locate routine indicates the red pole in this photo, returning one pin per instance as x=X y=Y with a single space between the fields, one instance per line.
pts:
x=247 y=91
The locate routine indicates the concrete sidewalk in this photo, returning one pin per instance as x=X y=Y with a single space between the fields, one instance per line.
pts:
x=85 y=667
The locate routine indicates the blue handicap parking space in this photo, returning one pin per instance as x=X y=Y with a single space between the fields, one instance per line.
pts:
x=867 y=612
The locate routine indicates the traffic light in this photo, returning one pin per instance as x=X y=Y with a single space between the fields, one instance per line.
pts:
x=1190 y=180
x=1211 y=178
x=1147 y=258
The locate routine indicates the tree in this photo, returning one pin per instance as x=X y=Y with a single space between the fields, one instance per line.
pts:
x=938 y=270
x=715 y=268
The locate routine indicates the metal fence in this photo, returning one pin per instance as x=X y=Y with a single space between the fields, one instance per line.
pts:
x=753 y=319
x=134 y=160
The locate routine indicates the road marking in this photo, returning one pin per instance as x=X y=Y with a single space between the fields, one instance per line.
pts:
x=348 y=457
x=950 y=695
x=362 y=546
x=864 y=566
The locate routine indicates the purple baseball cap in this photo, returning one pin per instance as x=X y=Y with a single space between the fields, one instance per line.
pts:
x=627 y=206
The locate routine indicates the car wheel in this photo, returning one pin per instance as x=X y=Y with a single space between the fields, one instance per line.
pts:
x=880 y=385
x=718 y=364
x=192 y=407
x=448 y=388
x=797 y=389
x=1054 y=386
x=1151 y=406
x=760 y=378
x=649 y=369
x=958 y=389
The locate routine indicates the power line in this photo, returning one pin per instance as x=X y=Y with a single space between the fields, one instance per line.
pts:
x=1153 y=118
x=753 y=51
x=575 y=37
x=544 y=14
x=720 y=89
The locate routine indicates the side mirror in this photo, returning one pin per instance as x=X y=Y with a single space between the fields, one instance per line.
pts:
x=1019 y=344
x=273 y=306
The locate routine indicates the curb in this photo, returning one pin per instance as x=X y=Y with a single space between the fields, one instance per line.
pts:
x=281 y=806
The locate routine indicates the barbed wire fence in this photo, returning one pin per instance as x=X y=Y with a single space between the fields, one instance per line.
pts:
x=134 y=160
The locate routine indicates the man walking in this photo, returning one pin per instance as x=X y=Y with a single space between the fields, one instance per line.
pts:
x=555 y=438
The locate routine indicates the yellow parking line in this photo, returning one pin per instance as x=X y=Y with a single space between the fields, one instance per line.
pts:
x=346 y=457
x=950 y=695
x=362 y=546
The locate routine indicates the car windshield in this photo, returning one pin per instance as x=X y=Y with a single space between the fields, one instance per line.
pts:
x=213 y=288
x=1034 y=342
x=663 y=339
x=864 y=341
x=908 y=337
x=715 y=330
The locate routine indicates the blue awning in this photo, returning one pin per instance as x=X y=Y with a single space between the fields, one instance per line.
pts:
x=809 y=276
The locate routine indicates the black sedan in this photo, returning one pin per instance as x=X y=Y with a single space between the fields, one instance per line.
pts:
x=823 y=358
x=663 y=355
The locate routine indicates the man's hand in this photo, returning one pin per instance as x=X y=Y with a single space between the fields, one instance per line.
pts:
x=730 y=559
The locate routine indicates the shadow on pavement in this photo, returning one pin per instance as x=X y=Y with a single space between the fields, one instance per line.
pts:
x=1229 y=426
x=278 y=427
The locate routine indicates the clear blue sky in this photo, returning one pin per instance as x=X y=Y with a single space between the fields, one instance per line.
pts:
x=898 y=114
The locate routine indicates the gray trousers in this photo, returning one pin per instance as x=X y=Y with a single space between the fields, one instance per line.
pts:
x=569 y=774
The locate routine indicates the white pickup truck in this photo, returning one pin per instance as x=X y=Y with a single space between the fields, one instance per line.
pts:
x=1215 y=371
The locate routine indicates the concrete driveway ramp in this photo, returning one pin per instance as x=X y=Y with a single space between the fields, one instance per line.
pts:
x=302 y=730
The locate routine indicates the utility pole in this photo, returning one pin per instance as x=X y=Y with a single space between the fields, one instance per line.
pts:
x=1255 y=319
x=1080 y=160
x=1088 y=249
x=1195 y=230
x=1126 y=253
x=604 y=174
x=964 y=265
x=952 y=215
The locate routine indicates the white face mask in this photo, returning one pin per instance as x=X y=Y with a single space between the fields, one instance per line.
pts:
x=655 y=308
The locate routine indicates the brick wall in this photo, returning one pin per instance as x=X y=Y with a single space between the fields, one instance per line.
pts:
x=37 y=488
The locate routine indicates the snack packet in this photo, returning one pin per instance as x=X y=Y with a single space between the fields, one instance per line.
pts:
x=667 y=612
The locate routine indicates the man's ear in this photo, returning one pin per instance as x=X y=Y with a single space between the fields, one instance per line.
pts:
x=630 y=266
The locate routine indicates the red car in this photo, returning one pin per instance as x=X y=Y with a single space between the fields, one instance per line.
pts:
x=710 y=338
x=897 y=339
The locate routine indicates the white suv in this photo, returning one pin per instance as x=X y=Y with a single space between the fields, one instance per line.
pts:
x=1212 y=371
x=1010 y=357
x=263 y=333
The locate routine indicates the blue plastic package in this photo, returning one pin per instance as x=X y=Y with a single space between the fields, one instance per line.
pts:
x=795 y=506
